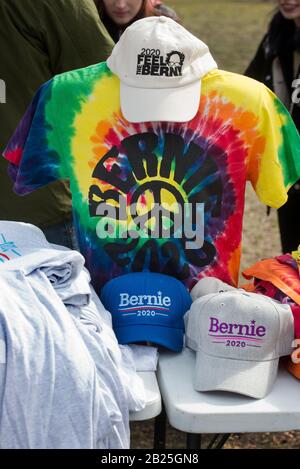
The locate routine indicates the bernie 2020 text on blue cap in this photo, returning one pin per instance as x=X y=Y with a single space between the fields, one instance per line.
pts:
x=147 y=307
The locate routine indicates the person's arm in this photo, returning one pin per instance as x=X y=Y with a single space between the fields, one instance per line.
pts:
x=69 y=32
x=257 y=67
x=82 y=38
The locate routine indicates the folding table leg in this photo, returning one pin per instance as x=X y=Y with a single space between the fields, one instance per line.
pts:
x=193 y=441
x=215 y=444
x=223 y=440
x=160 y=430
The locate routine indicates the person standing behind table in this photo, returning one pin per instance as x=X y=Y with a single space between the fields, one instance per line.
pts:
x=117 y=15
x=277 y=64
x=39 y=39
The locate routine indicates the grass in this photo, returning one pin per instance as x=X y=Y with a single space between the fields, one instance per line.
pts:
x=231 y=29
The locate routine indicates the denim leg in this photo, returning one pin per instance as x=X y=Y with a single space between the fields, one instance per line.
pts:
x=62 y=234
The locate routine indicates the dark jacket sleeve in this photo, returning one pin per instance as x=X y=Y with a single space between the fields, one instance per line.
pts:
x=69 y=33
x=260 y=67
x=83 y=38
x=75 y=35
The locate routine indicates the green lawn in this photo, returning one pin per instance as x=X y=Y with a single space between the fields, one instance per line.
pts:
x=231 y=29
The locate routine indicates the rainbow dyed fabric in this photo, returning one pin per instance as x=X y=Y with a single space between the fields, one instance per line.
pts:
x=120 y=171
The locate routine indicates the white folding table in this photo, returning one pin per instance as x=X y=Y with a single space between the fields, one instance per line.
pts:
x=153 y=405
x=153 y=398
x=195 y=412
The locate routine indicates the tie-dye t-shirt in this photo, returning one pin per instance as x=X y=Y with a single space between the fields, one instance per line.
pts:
x=133 y=183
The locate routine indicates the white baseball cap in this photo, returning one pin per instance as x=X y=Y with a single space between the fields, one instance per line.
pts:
x=160 y=65
x=238 y=338
x=207 y=285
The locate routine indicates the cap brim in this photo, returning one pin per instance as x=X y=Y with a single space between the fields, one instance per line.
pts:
x=168 y=337
x=179 y=104
x=251 y=378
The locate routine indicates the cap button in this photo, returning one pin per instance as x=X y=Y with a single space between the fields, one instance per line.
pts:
x=162 y=19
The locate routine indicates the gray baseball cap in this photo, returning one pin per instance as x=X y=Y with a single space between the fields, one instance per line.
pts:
x=238 y=338
x=207 y=285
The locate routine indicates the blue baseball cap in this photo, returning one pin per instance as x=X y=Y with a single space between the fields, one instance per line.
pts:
x=147 y=307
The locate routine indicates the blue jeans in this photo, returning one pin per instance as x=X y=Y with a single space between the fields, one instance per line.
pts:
x=62 y=234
